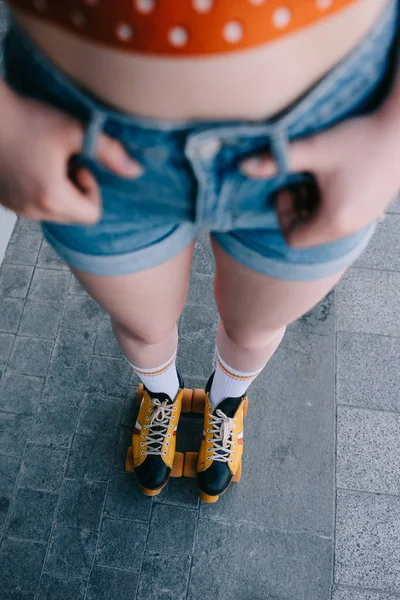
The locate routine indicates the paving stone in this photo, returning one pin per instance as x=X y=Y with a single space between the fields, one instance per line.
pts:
x=20 y=394
x=40 y=320
x=197 y=330
x=23 y=249
x=100 y=415
x=83 y=313
x=107 y=584
x=165 y=522
x=164 y=577
x=31 y=356
x=49 y=286
x=288 y=464
x=368 y=541
x=123 y=442
x=6 y=344
x=368 y=301
x=54 y=587
x=180 y=491
x=21 y=564
x=70 y=363
x=75 y=287
x=394 y=207
x=31 y=515
x=71 y=552
x=368 y=452
x=125 y=498
x=27 y=226
x=10 y=314
x=109 y=376
x=9 y=467
x=383 y=252
x=121 y=544
x=239 y=561
x=319 y=320
x=49 y=259
x=341 y=593
x=42 y=468
x=90 y=457
x=130 y=409
x=203 y=257
x=15 y=280
x=106 y=344
x=366 y=370
x=201 y=291
x=14 y=431
x=55 y=392
x=80 y=504
x=54 y=425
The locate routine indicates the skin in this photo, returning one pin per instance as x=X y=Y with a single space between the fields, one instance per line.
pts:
x=254 y=309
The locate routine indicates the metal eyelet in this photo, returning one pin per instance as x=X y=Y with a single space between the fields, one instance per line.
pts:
x=169 y=435
x=142 y=452
x=209 y=439
x=208 y=457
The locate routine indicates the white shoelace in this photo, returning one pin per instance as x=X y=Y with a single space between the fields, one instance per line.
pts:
x=160 y=419
x=221 y=431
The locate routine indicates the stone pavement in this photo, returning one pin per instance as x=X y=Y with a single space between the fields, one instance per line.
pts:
x=316 y=515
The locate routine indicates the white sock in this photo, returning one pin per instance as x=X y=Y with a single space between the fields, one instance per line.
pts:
x=229 y=383
x=160 y=379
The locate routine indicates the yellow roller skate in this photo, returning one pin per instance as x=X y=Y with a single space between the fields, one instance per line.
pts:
x=152 y=455
x=220 y=457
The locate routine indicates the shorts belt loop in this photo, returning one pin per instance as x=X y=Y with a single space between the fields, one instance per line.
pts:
x=280 y=150
x=94 y=128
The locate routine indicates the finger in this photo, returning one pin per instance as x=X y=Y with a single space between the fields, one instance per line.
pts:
x=262 y=166
x=113 y=155
x=286 y=211
x=73 y=206
x=311 y=232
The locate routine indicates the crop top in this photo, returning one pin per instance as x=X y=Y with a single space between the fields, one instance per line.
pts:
x=182 y=27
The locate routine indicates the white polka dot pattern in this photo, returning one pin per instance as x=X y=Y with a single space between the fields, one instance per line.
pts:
x=178 y=36
x=324 y=4
x=40 y=4
x=281 y=17
x=145 y=6
x=124 y=32
x=78 y=19
x=233 y=32
x=203 y=6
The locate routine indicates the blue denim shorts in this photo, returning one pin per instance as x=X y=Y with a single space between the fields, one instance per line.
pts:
x=191 y=178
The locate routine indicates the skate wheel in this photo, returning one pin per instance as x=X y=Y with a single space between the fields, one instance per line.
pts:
x=187 y=400
x=139 y=394
x=190 y=467
x=207 y=498
x=147 y=492
x=198 y=403
x=238 y=474
x=177 y=469
x=245 y=407
x=129 y=461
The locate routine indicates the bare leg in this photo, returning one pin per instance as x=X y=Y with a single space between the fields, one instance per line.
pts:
x=256 y=309
x=144 y=307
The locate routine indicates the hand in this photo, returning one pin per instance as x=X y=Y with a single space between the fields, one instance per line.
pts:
x=36 y=144
x=357 y=168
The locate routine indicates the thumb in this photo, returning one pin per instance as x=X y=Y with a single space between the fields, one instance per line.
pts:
x=79 y=202
x=113 y=155
x=311 y=232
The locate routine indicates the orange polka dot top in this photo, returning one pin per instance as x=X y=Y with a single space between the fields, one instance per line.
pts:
x=182 y=27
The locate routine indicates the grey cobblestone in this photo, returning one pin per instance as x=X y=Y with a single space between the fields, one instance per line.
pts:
x=31 y=515
x=40 y=320
x=71 y=552
x=30 y=356
x=10 y=314
x=23 y=249
x=15 y=280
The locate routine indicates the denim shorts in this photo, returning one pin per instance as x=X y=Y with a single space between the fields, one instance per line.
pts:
x=191 y=178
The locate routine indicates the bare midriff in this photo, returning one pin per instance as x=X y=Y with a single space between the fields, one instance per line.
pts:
x=252 y=84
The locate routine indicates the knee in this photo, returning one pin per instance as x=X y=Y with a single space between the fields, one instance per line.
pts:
x=146 y=335
x=252 y=339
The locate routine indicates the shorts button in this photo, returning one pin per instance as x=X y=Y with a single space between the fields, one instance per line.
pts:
x=209 y=148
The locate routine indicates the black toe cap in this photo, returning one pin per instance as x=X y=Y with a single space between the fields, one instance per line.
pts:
x=152 y=473
x=215 y=479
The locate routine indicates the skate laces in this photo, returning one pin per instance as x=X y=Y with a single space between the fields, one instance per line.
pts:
x=221 y=431
x=158 y=426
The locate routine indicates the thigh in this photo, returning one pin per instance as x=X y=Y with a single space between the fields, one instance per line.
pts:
x=254 y=303
x=148 y=300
